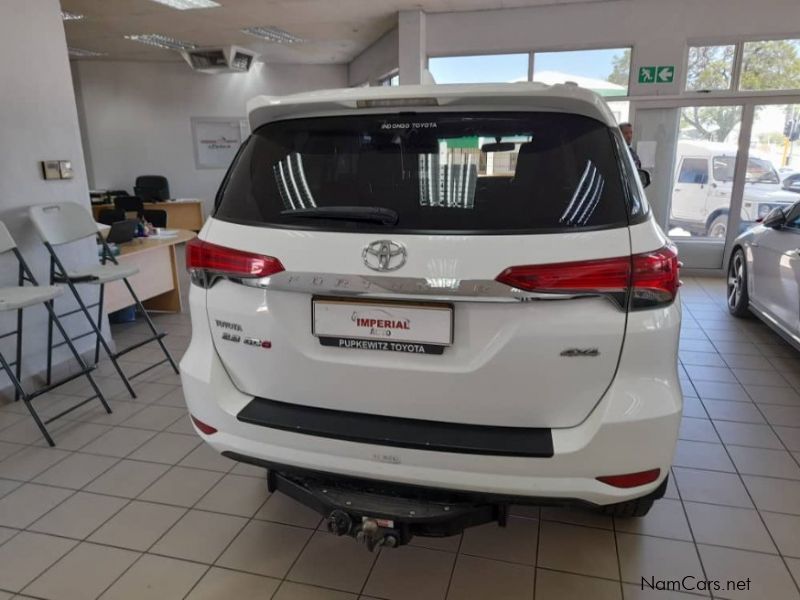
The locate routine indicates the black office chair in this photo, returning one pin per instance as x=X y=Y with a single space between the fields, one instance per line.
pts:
x=156 y=217
x=152 y=188
x=129 y=204
x=109 y=216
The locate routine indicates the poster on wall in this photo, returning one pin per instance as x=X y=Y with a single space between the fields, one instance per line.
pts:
x=216 y=140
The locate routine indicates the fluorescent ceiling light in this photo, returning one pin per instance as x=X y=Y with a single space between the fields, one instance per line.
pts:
x=68 y=16
x=273 y=34
x=160 y=41
x=188 y=4
x=81 y=53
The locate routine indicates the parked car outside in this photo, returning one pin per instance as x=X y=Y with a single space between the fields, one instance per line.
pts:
x=701 y=195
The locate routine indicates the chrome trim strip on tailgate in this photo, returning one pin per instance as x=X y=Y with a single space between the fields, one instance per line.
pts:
x=383 y=286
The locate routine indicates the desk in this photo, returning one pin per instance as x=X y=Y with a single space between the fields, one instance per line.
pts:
x=181 y=214
x=157 y=283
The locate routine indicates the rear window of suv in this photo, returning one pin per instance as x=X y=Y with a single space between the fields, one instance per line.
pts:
x=489 y=173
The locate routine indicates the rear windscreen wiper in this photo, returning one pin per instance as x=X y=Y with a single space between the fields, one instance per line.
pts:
x=367 y=214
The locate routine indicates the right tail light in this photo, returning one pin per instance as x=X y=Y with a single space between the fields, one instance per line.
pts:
x=655 y=278
x=651 y=277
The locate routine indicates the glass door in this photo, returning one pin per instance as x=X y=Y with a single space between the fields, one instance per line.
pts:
x=705 y=164
x=773 y=161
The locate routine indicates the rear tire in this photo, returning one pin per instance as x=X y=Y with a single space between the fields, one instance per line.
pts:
x=738 y=299
x=638 y=507
x=718 y=228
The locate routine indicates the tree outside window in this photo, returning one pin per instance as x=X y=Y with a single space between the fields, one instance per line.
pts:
x=766 y=65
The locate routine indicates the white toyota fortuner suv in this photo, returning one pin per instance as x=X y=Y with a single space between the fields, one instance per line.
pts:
x=417 y=306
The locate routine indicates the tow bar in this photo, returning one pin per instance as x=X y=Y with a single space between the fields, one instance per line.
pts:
x=373 y=533
x=384 y=515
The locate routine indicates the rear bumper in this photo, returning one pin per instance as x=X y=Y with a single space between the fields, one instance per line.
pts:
x=633 y=428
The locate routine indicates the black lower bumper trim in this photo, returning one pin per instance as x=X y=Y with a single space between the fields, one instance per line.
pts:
x=399 y=432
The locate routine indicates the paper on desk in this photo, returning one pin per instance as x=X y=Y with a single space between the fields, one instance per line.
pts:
x=164 y=233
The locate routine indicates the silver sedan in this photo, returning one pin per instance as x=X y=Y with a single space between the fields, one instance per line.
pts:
x=764 y=273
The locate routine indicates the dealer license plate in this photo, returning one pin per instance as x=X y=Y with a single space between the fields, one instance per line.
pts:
x=417 y=328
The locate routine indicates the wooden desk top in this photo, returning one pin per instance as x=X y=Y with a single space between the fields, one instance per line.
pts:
x=156 y=204
x=149 y=243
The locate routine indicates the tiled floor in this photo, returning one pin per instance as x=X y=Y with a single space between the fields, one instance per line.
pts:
x=132 y=506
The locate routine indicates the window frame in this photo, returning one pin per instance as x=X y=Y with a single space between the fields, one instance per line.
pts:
x=386 y=79
x=531 y=52
x=527 y=52
x=735 y=68
x=738 y=57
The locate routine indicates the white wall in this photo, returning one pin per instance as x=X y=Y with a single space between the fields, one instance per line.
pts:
x=658 y=29
x=38 y=120
x=136 y=116
x=376 y=61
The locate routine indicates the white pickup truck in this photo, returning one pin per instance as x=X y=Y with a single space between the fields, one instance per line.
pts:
x=701 y=195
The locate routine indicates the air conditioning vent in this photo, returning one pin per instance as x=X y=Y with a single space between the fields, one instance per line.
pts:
x=231 y=59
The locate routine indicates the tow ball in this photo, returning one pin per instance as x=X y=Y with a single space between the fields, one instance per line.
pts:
x=369 y=532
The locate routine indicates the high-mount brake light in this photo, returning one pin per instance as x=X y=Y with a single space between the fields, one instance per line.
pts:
x=396 y=102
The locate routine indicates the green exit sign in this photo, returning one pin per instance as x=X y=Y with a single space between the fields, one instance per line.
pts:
x=662 y=74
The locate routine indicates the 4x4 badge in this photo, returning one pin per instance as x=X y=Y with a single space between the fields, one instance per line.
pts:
x=580 y=352
x=384 y=255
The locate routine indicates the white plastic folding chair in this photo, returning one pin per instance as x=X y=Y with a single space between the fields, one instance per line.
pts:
x=60 y=224
x=17 y=298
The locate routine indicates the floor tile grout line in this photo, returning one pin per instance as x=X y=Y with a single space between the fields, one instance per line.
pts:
x=300 y=553
x=691 y=529
x=538 y=551
x=706 y=469
x=185 y=512
x=616 y=552
x=758 y=509
x=78 y=542
x=455 y=564
x=686 y=513
x=766 y=422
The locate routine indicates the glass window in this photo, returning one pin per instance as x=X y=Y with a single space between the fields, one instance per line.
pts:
x=605 y=72
x=710 y=68
x=771 y=65
x=705 y=163
x=391 y=80
x=694 y=170
x=488 y=68
x=773 y=165
x=477 y=172
x=621 y=110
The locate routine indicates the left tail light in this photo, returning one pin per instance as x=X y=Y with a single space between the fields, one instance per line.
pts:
x=206 y=262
